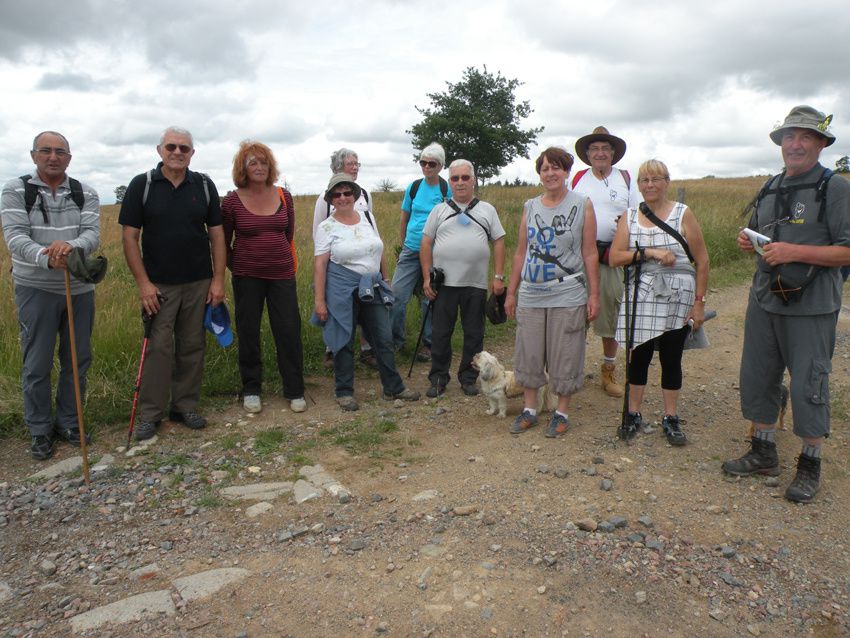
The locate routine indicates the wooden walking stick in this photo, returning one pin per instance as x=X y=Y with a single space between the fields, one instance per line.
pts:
x=77 y=394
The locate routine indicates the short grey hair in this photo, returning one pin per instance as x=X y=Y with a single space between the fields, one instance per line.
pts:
x=462 y=162
x=434 y=151
x=177 y=131
x=57 y=134
x=338 y=159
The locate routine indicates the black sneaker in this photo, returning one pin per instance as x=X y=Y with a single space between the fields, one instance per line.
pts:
x=470 y=389
x=42 y=447
x=761 y=459
x=673 y=430
x=145 y=430
x=436 y=389
x=807 y=482
x=191 y=420
x=629 y=427
x=71 y=436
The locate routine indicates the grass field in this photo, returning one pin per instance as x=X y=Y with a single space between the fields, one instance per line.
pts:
x=118 y=330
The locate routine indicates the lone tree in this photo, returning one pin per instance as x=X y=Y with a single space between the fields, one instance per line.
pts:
x=477 y=119
x=842 y=165
x=120 y=191
x=387 y=185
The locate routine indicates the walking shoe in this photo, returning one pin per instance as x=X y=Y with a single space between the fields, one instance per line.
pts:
x=761 y=459
x=145 y=430
x=252 y=403
x=609 y=384
x=368 y=358
x=470 y=389
x=191 y=420
x=436 y=389
x=71 y=436
x=629 y=427
x=405 y=395
x=673 y=430
x=328 y=361
x=525 y=421
x=807 y=482
x=424 y=354
x=347 y=403
x=557 y=426
x=298 y=405
x=42 y=447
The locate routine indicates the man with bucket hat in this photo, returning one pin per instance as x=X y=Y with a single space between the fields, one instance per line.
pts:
x=176 y=215
x=46 y=217
x=611 y=191
x=801 y=223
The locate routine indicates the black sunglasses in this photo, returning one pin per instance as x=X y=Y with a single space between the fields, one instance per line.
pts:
x=184 y=148
x=428 y=163
x=458 y=178
x=338 y=194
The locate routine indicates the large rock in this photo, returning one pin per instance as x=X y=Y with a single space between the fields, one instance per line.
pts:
x=65 y=466
x=317 y=475
x=207 y=583
x=304 y=491
x=257 y=491
x=142 y=606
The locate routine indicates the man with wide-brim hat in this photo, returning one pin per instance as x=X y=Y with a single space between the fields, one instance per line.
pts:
x=794 y=300
x=612 y=192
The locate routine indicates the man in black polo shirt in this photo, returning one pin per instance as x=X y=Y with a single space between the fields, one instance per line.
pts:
x=176 y=214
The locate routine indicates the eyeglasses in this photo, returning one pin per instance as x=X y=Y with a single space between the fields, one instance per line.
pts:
x=338 y=194
x=459 y=178
x=652 y=180
x=428 y=163
x=352 y=164
x=600 y=148
x=184 y=148
x=47 y=152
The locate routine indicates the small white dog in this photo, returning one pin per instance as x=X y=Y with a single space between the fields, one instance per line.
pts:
x=498 y=385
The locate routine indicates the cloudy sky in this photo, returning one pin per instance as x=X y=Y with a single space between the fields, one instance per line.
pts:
x=696 y=84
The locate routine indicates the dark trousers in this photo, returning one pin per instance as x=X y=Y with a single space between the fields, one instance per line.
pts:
x=470 y=302
x=670 y=347
x=280 y=295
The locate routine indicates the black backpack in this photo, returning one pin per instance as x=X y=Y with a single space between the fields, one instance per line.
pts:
x=414 y=188
x=149 y=176
x=31 y=194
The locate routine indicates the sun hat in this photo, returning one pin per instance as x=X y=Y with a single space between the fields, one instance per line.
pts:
x=89 y=270
x=217 y=321
x=600 y=134
x=336 y=180
x=495 y=308
x=804 y=116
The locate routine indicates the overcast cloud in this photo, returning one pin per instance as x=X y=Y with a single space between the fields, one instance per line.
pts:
x=698 y=85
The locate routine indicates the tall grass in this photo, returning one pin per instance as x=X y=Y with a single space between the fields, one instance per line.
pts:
x=118 y=329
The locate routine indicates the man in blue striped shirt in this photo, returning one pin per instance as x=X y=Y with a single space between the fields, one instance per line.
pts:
x=64 y=214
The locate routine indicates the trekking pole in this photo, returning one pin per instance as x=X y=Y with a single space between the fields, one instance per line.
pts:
x=630 y=334
x=69 y=304
x=147 y=322
x=419 y=340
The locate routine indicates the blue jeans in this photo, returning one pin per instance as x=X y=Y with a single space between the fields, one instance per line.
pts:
x=408 y=273
x=375 y=319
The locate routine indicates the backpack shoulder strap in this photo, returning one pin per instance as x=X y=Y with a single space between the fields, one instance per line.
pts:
x=444 y=187
x=77 y=192
x=206 y=180
x=820 y=191
x=651 y=216
x=414 y=188
x=369 y=219
x=754 y=203
x=147 y=186
x=577 y=177
x=30 y=192
x=626 y=177
x=457 y=211
x=365 y=194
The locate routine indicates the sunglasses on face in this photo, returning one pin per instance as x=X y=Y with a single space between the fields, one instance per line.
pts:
x=460 y=178
x=184 y=148
x=338 y=194
x=428 y=163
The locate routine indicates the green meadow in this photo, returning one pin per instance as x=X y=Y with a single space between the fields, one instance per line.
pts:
x=118 y=329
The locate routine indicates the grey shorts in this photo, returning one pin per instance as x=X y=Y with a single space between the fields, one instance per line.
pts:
x=610 y=296
x=550 y=340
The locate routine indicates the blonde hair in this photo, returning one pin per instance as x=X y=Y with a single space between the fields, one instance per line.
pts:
x=653 y=167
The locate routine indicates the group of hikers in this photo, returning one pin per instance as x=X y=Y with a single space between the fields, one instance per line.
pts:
x=597 y=246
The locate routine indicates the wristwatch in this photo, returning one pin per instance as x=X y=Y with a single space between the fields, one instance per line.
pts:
x=499 y=277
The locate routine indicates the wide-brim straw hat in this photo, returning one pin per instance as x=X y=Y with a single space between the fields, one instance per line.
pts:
x=600 y=134
x=341 y=178
x=804 y=116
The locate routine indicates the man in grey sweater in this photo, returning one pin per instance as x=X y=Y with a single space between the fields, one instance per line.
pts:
x=44 y=217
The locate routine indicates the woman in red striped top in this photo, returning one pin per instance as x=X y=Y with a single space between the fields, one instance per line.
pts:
x=259 y=227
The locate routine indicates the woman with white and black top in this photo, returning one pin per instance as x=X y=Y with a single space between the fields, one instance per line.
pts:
x=670 y=294
x=350 y=279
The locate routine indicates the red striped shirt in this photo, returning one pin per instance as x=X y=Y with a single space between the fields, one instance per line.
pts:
x=258 y=245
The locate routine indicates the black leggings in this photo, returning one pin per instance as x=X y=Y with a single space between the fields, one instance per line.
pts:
x=670 y=346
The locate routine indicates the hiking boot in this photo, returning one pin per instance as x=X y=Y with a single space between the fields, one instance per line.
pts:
x=807 y=482
x=557 y=426
x=424 y=354
x=761 y=459
x=328 y=361
x=191 y=420
x=673 y=430
x=71 y=436
x=470 y=389
x=252 y=403
x=368 y=359
x=525 y=421
x=298 y=405
x=436 y=389
x=630 y=426
x=42 y=447
x=405 y=395
x=348 y=403
x=609 y=384
x=145 y=430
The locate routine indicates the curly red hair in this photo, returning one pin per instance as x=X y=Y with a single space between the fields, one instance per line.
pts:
x=248 y=149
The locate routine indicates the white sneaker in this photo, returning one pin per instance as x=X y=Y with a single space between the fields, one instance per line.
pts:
x=298 y=405
x=252 y=403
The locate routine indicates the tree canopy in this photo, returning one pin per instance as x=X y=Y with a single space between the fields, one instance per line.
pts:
x=477 y=119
